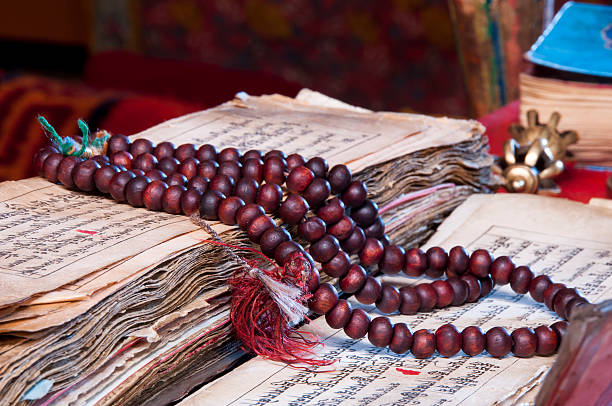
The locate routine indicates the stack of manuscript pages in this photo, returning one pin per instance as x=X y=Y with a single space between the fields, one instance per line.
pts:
x=109 y=304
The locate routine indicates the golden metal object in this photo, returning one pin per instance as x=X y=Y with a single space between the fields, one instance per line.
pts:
x=533 y=156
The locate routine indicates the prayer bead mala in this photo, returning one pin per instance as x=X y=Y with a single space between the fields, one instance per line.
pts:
x=227 y=186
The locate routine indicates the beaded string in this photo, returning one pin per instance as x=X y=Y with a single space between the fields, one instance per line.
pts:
x=244 y=189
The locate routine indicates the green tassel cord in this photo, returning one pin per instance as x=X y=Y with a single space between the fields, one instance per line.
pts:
x=68 y=146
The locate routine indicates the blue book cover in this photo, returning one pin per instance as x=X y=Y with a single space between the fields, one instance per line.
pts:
x=579 y=39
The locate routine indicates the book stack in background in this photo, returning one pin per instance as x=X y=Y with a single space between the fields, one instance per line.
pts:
x=103 y=303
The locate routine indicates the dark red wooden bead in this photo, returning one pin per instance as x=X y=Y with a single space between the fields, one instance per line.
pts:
x=317 y=192
x=572 y=305
x=51 y=166
x=145 y=162
x=118 y=142
x=247 y=213
x=355 y=242
x=141 y=146
x=499 y=342
x=371 y=253
x=562 y=298
x=339 y=178
x=258 y=226
x=206 y=152
x=376 y=229
x=380 y=331
x=460 y=290
x=209 y=204
x=370 y=291
x=332 y=212
x=410 y=300
x=295 y=160
x=550 y=292
x=524 y=342
x=228 y=209
x=222 y=183
x=101 y=159
x=501 y=270
x=184 y=152
x=354 y=279
x=293 y=209
x=122 y=158
x=163 y=150
x=231 y=169
x=392 y=260
x=170 y=165
x=486 y=286
x=355 y=194
x=401 y=340
x=312 y=229
x=547 y=341
x=520 y=279
x=339 y=316
x=366 y=214
x=473 y=341
x=318 y=166
x=342 y=229
x=156 y=174
x=538 y=286
x=423 y=344
x=274 y=170
x=275 y=153
x=65 y=169
x=314 y=278
x=325 y=249
x=269 y=197
x=190 y=201
x=458 y=261
x=171 y=200
x=208 y=169
x=560 y=328
x=299 y=179
x=134 y=190
x=83 y=175
x=338 y=266
x=448 y=340
x=103 y=176
x=389 y=300
x=444 y=293
x=247 y=189
x=284 y=251
x=197 y=182
x=252 y=154
x=271 y=239
x=427 y=296
x=473 y=287
x=416 y=262
x=358 y=325
x=253 y=168
x=480 y=263
x=41 y=156
x=153 y=194
x=189 y=167
x=176 y=179
x=229 y=154
x=437 y=262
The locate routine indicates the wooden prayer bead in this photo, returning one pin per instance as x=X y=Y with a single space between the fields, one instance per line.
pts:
x=524 y=342
x=547 y=341
x=376 y=229
x=247 y=190
x=473 y=340
x=222 y=183
x=145 y=162
x=499 y=342
x=538 y=286
x=416 y=262
x=355 y=194
x=560 y=328
x=561 y=300
x=253 y=168
x=520 y=279
x=312 y=229
x=41 y=156
x=299 y=179
x=355 y=242
x=251 y=154
x=209 y=204
x=247 y=213
x=171 y=201
x=103 y=176
x=197 y=182
x=370 y=291
x=365 y=214
x=156 y=174
x=317 y=192
x=410 y=300
x=572 y=305
x=380 y=331
x=332 y=212
x=358 y=325
x=231 y=169
x=117 y=143
x=163 y=150
x=101 y=159
x=354 y=279
x=501 y=270
x=189 y=167
x=51 y=165
x=314 y=278
x=141 y=146
x=448 y=340
x=473 y=287
x=208 y=169
x=401 y=340
x=190 y=201
x=83 y=175
x=338 y=266
x=258 y=226
x=423 y=344
x=275 y=153
x=272 y=238
x=437 y=262
x=206 y=152
x=325 y=249
x=122 y=158
x=392 y=260
x=460 y=290
x=293 y=209
x=318 y=166
x=228 y=209
x=486 y=286
x=295 y=160
x=274 y=170
x=550 y=292
x=342 y=229
x=228 y=154
x=134 y=190
x=371 y=253
x=458 y=261
x=176 y=179
x=284 y=251
x=428 y=297
x=389 y=300
x=339 y=316
x=339 y=178
x=153 y=194
x=184 y=152
x=65 y=169
x=269 y=197
x=170 y=165
x=444 y=293
x=480 y=263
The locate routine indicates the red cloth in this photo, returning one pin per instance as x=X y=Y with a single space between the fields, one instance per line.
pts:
x=576 y=183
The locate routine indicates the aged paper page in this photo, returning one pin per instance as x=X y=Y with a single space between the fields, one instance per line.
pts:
x=569 y=241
